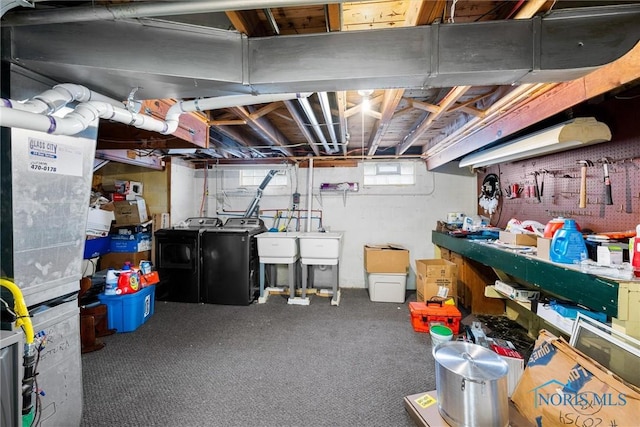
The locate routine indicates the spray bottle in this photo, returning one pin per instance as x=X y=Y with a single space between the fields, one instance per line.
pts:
x=635 y=260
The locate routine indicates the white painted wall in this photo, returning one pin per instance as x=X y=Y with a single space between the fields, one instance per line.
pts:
x=184 y=193
x=397 y=214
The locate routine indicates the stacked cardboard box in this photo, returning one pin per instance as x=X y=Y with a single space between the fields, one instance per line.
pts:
x=386 y=266
x=435 y=277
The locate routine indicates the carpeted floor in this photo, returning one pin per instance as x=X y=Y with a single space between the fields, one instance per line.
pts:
x=267 y=364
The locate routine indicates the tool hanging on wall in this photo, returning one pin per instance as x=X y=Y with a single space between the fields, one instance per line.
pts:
x=489 y=193
x=628 y=198
x=537 y=187
x=608 y=199
x=583 y=181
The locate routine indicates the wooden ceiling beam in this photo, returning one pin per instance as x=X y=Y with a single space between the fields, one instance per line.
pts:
x=425 y=106
x=450 y=99
x=358 y=108
x=265 y=110
x=391 y=100
x=265 y=129
x=227 y=122
x=425 y=12
x=247 y=22
x=553 y=101
x=334 y=17
x=503 y=104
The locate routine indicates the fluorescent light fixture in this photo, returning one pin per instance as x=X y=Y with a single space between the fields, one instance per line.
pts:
x=575 y=133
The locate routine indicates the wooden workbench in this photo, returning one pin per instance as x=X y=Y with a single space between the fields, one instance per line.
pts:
x=618 y=299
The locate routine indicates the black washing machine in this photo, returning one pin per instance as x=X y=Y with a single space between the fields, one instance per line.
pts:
x=179 y=259
x=230 y=263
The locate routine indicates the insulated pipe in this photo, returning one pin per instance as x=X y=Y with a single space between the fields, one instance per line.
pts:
x=328 y=119
x=309 y=194
x=142 y=10
x=314 y=124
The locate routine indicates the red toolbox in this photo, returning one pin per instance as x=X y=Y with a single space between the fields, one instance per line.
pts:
x=423 y=313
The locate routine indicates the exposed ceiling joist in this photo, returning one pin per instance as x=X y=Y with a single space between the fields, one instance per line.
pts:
x=444 y=105
x=553 y=101
x=391 y=100
x=263 y=127
x=302 y=126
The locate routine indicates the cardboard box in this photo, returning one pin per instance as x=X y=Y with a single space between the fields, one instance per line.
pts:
x=161 y=220
x=117 y=259
x=145 y=227
x=609 y=254
x=96 y=246
x=130 y=212
x=544 y=247
x=432 y=274
x=518 y=239
x=564 y=324
x=389 y=258
x=99 y=222
x=137 y=242
x=562 y=386
x=131 y=189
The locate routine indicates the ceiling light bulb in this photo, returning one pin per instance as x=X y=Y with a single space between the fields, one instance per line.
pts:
x=366 y=104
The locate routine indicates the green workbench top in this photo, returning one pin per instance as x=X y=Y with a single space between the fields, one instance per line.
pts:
x=595 y=292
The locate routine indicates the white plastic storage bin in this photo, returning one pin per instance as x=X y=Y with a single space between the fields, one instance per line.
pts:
x=387 y=287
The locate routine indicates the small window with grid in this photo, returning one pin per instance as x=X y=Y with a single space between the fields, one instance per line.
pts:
x=254 y=177
x=389 y=173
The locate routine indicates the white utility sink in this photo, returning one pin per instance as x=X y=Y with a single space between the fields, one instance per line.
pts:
x=278 y=248
x=318 y=248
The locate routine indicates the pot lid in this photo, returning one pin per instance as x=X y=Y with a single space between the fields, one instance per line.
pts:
x=471 y=361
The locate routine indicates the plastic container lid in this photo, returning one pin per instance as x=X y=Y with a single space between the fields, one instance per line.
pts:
x=471 y=361
x=441 y=330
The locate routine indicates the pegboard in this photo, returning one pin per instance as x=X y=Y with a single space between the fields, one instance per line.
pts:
x=558 y=177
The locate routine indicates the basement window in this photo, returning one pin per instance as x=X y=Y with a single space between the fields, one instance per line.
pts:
x=389 y=173
x=254 y=177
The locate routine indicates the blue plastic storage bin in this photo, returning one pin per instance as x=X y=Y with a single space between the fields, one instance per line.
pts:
x=125 y=313
x=572 y=312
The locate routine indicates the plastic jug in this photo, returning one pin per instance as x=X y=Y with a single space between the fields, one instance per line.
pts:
x=567 y=246
x=128 y=280
x=111 y=282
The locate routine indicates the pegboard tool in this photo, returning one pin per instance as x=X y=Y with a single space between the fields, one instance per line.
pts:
x=583 y=181
x=608 y=199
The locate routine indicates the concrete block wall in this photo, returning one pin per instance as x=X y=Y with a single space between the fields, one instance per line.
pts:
x=397 y=214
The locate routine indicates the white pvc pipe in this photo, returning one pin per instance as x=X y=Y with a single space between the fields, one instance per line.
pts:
x=223 y=102
x=60 y=95
x=309 y=194
x=92 y=105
